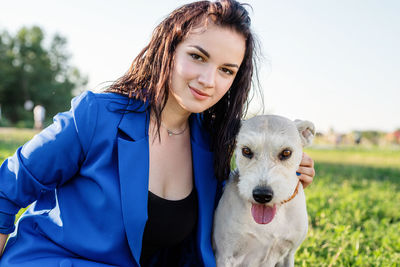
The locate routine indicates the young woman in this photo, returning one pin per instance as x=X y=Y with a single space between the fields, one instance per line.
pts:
x=130 y=176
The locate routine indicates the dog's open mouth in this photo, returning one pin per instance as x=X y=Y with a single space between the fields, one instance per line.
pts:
x=263 y=214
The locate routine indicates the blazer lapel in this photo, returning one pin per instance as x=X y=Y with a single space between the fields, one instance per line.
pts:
x=206 y=185
x=133 y=163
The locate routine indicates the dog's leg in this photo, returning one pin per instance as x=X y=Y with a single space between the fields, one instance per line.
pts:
x=230 y=262
x=288 y=261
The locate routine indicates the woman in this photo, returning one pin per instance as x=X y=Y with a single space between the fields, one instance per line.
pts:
x=129 y=177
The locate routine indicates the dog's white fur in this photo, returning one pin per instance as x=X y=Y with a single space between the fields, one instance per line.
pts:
x=237 y=239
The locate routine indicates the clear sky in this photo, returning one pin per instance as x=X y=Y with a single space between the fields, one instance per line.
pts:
x=333 y=62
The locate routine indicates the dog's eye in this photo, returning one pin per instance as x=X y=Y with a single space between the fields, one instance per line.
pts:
x=285 y=154
x=247 y=152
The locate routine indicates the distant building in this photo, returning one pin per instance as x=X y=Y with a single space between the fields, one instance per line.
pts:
x=393 y=138
x=397 y=136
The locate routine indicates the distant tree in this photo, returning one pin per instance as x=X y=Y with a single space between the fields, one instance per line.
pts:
x=372 y=136
x=31 y=71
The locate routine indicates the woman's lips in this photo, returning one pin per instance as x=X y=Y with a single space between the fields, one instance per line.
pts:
x=198 y=94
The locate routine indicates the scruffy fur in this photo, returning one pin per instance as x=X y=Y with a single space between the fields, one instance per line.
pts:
x=237 y=239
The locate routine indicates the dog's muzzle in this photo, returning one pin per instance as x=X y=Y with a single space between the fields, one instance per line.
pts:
x=263 y=194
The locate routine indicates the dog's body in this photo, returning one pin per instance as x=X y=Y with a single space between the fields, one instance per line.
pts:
x=261 y=218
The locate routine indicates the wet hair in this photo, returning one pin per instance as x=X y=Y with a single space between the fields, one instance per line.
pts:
x=149 y=77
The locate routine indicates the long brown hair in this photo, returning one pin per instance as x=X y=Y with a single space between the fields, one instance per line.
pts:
x=149 y=76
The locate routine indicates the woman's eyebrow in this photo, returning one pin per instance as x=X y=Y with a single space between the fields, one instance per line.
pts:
x=201 y=50
x=231 y=65
x=208 y=55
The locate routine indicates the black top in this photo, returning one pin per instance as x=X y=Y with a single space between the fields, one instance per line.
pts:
x=169 y=223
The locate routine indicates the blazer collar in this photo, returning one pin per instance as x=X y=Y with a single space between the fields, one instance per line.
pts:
x=135 y=123
x=135 y=120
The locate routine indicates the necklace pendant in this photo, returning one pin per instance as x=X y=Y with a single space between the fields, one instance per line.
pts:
x=169 y=132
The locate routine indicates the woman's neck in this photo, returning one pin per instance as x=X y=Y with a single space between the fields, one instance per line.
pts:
x=173 y=116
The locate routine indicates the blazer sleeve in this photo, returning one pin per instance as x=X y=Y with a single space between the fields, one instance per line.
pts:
x=48 y=160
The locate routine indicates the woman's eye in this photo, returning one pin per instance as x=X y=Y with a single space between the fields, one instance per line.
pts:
x=196 y=57
x=227 y=71
x=247 y=152
x=285 y=154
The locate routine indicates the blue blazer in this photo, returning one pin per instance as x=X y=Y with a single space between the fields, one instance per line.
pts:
x=86 y=176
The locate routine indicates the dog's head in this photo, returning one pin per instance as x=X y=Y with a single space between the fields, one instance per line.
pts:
x=268 y=153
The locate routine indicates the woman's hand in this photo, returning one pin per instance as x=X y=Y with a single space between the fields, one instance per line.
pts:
x=306 y=170
x=3 y=239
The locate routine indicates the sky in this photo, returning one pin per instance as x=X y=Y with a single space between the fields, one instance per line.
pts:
x=335 y=63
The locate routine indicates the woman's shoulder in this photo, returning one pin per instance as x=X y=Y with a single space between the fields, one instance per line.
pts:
x=90 y=97
x=107 y=102
x=91 y=110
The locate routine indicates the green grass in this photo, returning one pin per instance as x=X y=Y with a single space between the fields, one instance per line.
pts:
x=372 y=157
x=11 y=139
x=353 y=205
x=354 y=219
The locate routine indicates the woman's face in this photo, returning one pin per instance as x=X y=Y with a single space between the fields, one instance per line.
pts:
x=205 y=65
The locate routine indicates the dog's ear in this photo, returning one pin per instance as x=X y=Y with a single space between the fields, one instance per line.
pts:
x=306 y=130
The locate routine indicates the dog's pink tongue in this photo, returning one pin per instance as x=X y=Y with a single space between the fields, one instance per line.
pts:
x=263 y=214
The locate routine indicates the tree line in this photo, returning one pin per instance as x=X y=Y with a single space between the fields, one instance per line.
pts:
x=35 y=73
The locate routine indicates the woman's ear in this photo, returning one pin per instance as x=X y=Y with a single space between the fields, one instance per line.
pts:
x=306 y=130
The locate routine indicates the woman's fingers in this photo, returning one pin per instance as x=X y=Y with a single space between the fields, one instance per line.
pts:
x=306 y=170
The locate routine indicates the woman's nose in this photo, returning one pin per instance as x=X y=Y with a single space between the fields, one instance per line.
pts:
x=207 y=77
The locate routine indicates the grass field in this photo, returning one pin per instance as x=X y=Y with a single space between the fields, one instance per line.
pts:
x=353 y=205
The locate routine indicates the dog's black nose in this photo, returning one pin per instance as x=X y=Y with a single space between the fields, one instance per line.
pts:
x=263 y=194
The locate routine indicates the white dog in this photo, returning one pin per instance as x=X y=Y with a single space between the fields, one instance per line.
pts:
x=261 y=218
